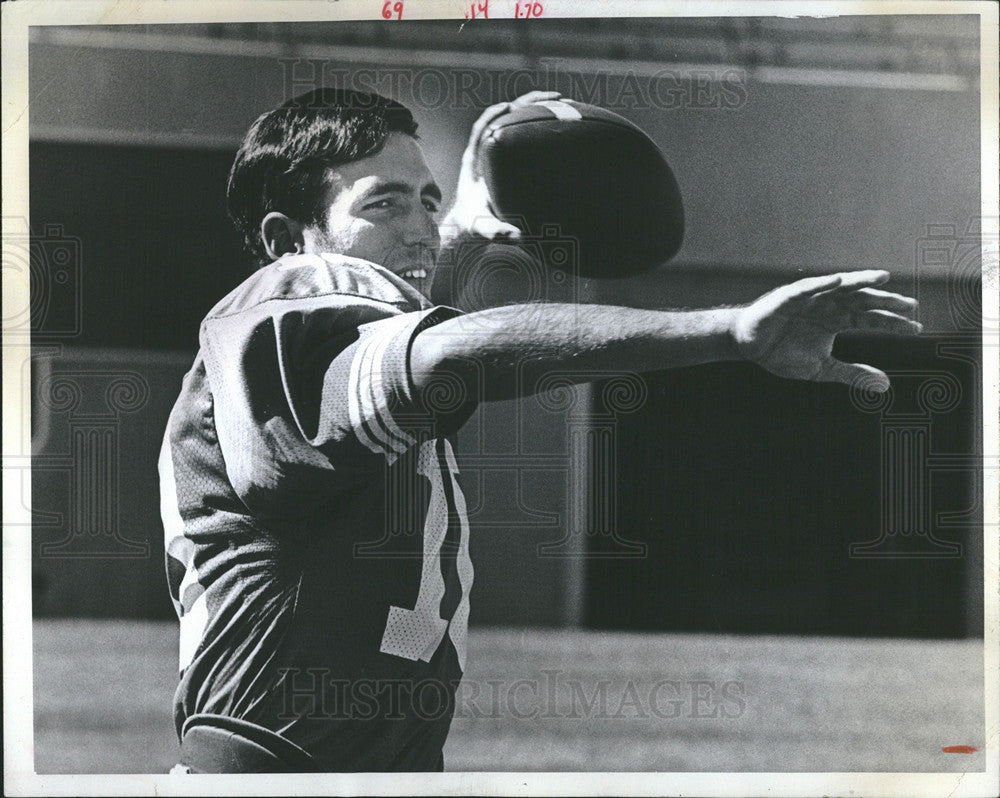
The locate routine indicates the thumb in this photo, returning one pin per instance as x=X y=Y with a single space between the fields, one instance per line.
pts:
x=857 y=375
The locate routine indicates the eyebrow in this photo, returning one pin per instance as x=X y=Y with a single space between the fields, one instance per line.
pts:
x=398 y=186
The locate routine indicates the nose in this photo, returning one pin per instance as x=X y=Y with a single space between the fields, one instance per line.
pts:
x=422 y=230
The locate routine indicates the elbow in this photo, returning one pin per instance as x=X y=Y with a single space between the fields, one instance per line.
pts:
x=447 y=387
x=427 y=354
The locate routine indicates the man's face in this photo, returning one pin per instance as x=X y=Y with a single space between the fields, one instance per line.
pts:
x=382 y=209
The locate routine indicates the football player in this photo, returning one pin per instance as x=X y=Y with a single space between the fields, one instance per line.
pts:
x=316 y=534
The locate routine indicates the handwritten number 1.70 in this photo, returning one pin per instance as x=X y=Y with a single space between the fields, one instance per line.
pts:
x=527 y=10
x=390 y=8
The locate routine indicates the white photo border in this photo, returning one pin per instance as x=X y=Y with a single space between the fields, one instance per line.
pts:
x=19 y=776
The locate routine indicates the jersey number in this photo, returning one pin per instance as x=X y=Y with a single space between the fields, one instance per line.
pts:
x=415 y=634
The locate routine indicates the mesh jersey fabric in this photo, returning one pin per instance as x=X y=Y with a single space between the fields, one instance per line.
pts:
x=316 y=533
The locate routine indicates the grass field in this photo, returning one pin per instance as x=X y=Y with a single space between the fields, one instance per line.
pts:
x=569 y=700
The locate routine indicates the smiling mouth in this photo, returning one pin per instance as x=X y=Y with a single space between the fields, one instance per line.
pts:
x=414 y=274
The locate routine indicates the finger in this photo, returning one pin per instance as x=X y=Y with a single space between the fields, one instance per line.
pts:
x=534 y=97
x=850 y=281
x=858 y=375
x=830 y=284
x=491 y=114
x=487 y=116
x=885 y=321
x=802 y=289
x=492 y=228
x=849 y=286
x=873 y=299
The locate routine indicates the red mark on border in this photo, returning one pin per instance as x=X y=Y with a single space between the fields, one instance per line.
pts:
x=389 y=8
x=480 y=8
x=959 y=749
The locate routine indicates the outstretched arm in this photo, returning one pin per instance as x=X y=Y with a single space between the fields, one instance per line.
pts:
x=501 y=353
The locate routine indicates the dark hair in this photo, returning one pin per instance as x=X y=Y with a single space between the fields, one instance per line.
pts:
x=283 y=161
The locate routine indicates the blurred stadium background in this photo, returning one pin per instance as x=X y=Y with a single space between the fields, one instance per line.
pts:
x=733 y=503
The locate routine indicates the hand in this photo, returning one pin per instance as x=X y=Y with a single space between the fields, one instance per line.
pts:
x=790 y=330
x=471 y=212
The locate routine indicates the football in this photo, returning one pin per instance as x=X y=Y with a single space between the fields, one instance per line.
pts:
x=575 y=171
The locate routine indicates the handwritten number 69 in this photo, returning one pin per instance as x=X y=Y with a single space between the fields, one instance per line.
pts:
x=390 y=8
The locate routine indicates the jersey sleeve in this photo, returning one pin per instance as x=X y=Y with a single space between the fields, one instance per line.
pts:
x=312 y=395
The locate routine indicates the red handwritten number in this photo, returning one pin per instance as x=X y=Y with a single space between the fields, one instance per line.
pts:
x=390 y=8
x=476 y=9
x=527 y=10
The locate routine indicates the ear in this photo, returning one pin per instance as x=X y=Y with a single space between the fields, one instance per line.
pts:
x=281 y=235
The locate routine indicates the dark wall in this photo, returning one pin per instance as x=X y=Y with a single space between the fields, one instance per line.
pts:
x=775 y=506
x=131 y=248
x=153 y=248
x=747 y=490
x=99 y=416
